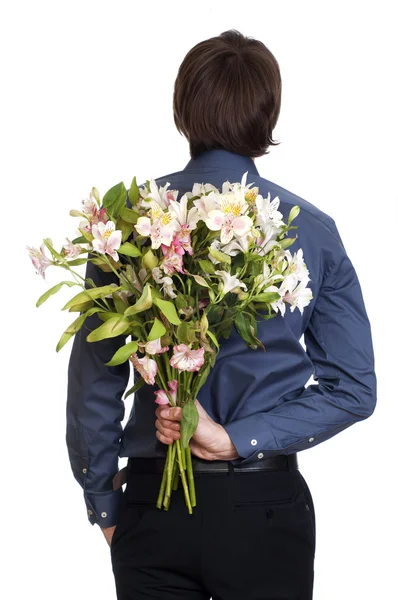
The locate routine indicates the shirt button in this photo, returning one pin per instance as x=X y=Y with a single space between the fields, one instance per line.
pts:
x=84 y=470
x=103 y=514
x=311 y=440
x=90 y=512
x=260 y=455
x=253 y=442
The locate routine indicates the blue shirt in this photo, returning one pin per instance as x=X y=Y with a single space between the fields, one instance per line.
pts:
x=259 y=397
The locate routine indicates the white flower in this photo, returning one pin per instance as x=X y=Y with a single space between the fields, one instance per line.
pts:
x=296 y=265
x=229 y=282
x=106 y=239
x=160 y=226
x=184 y=217
x=229 y=218
x=72 y=250
x=168 y=285
x=160 y=195
x=300 y=297
x=238 y=244
x=267 y=210
x=200 y=189
x=205 y=204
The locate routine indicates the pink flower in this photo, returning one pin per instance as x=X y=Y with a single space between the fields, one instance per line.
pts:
x=172 y=258
x=186 y=359
x=146 y=367
x=94 y=214
x=72 y=250
x=106 y=239
x=39 y=259
x=153 y=347
x=161 y=395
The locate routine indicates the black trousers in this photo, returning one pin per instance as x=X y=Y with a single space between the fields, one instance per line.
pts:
x=250 y=537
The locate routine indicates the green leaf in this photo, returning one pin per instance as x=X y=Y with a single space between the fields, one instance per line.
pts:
x=293 y=214
x=168 y=309
x=287 y=242
x=120 y=305
x=82 y=307
x=143 y=303
x=157 y=330
x=103 y=266
x=111 y=328
x=129 y=215
x=115 y=199
x=186 y=333
x=213 y=338
x=189 y=422
x=266 y=297
x=122 y=354
x=91 y=294
x=218 y=255
x=129 y=249
x=79 y=240
x=138 y=385
x=74 y=327
x=53 y=291
x=201 y=280
x=207 y=266
x=134 y=192
x=77 y=261
x=180 y=301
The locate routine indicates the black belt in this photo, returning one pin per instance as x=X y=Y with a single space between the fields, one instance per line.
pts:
x=280 y=462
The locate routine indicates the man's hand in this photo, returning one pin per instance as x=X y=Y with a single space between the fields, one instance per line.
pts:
x=210 y=440
x=108 y=533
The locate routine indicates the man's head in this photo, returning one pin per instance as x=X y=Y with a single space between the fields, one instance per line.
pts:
x=227 y=94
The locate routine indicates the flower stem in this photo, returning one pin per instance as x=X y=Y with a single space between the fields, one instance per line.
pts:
x=161 y=491
x=183 y=478
x=191 y=480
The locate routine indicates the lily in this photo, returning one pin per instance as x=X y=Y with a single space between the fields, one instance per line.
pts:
x=106 y=239
x=146 y=367
x=229 y=218
x=159 y=226
x=161 y=395
x=39 y=259
x=186 y=359
x=161 y=195
x=229 y=282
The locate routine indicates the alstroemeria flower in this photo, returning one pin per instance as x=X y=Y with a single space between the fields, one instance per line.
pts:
x=146 y=367
x=153 y=347
x=267 y=211
x=72 y=250
x=161 y=395
x=297 y=296
x=106 y=239
x=159 y=226
x=229 y=282
x=186 y=359
x=161 y=195
x=205 y=204
x=168 y=285
x=94 y=214
x=200 y=189
x=172 y=260
x=229 y=218
x=39 y=259
x=296 y=265
x=188 y=218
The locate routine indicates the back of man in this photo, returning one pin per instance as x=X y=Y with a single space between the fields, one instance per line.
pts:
x=252 y=533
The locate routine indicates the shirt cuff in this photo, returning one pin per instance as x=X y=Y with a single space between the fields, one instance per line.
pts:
x=251 y=436
x=104 y=507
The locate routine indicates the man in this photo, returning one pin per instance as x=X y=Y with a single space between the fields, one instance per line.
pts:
x=252 y=533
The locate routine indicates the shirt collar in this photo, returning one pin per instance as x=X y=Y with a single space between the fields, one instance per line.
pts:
x=222 y=159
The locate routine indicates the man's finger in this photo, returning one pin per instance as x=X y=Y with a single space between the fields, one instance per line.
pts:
x=173 y=413
x=166 y=431
x=163 y=439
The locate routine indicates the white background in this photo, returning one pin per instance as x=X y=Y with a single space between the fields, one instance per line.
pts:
x=87 y=100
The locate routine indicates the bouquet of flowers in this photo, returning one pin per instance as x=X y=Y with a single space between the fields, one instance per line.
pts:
x=187 y=272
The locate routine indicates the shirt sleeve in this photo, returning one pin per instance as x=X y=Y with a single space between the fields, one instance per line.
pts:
x=94 y=412
x=338 y=341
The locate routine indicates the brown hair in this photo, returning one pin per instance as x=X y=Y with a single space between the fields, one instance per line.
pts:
x=227 y=94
